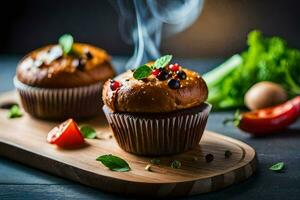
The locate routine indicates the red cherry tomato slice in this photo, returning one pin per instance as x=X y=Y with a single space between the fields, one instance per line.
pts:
x=269 y=120
x=66 y=135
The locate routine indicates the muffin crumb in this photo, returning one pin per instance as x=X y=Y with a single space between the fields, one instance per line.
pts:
x=148 y=168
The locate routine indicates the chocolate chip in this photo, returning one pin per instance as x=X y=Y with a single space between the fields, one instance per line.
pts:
x=81 y=64
x=209 y=157
x=88 y=55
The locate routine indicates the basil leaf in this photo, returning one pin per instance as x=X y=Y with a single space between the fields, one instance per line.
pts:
x=162 y=61
x=114 y=163
x=88 y=132
x=277 y=167
x=66 y=42
x=142 y=72
x=15 y=112
x=176 y=164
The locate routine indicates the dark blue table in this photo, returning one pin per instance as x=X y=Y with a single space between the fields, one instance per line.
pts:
x=21 y=182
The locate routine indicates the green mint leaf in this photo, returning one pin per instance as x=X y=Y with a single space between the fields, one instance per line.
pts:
x=162 y=61
x=142 y=72
x=176 y=164
x=15 y=112
x=277 y=167
x=88 y=132
x=66 y=42
x=114 y=163
x=237 y=118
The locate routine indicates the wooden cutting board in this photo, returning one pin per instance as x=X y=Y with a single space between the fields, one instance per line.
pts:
x=24 y=140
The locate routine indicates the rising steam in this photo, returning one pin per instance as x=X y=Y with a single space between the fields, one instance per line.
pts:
x=142 y=23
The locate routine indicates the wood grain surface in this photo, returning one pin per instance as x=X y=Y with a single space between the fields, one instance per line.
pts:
x=24 y=140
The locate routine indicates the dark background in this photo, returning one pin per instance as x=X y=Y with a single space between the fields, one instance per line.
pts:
x=220 y=30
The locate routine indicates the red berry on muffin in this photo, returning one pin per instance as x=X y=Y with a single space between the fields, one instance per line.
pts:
x=157 y=114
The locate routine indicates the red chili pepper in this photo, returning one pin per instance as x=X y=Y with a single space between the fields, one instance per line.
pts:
x=66 y=135
x=269 y=120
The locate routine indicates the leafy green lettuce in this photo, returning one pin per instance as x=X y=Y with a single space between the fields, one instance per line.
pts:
x=267 y=59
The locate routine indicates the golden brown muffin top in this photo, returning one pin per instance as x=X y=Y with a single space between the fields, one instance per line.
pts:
x=151 y=95
x=49 y=67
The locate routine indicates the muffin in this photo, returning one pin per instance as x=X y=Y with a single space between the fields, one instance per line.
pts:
x=63 y=80
x=157 y=109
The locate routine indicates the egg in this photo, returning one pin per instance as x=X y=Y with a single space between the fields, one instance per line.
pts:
x=264 y=94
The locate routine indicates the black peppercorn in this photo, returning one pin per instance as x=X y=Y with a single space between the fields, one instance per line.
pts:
x=227 y=154
x=162 y=75
x=174 y=83
x=181 y=75
x=209 y=157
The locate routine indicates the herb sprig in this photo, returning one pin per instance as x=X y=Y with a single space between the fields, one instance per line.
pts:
x=175 y=164
x=15 y=112
x=277 y=167
x=114 y=163
x=162 y=61
x=66 y=42
x=88 y=132
x=144 y=71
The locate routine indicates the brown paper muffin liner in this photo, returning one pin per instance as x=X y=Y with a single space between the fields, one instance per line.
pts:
x=60 y=104
x=158 y=134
